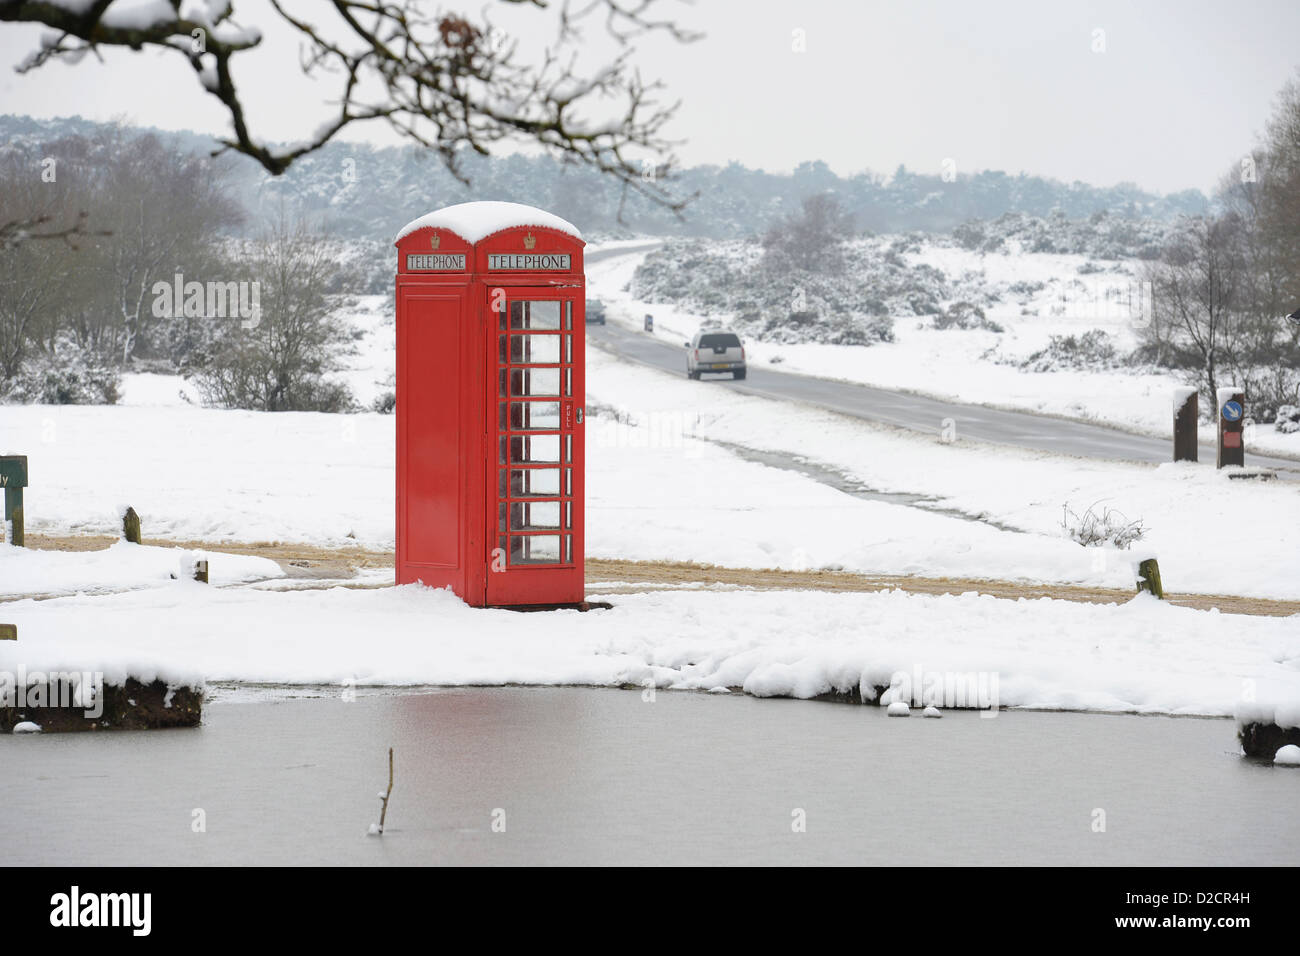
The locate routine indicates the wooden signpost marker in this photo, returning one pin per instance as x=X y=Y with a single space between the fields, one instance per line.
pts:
x=13 y=478
x=1149 y=578
x=1186 y=413
x=131 y=526
x=1231 y=413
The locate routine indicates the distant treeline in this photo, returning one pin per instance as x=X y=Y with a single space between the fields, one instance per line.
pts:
x=360 y=192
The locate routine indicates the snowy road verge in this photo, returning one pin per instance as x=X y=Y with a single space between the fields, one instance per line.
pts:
x=670 y=482
x=973 y=366
x=1142 y=656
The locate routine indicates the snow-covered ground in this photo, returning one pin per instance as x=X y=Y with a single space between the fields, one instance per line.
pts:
x=1195 y=516
x=976 y=366
x=120 y=567
x=660 y=486
x=662 y=489
x=1144 y=656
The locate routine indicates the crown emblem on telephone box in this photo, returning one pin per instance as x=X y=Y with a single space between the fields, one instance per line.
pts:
x=529 y=241
x=433 y=242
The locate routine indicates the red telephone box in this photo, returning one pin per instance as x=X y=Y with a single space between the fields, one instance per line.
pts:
x=490 y=394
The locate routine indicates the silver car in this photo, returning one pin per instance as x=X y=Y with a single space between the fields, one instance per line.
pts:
x=715 y=351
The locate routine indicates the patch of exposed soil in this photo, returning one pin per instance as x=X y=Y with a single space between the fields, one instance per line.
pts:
x=131 y=706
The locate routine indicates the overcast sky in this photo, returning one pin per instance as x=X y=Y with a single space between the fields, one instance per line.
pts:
x=1177 y=93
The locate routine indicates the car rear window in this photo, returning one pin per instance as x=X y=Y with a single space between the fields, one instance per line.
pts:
x=719 y=340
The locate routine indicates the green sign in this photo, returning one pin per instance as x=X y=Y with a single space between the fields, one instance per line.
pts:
x=13 y=471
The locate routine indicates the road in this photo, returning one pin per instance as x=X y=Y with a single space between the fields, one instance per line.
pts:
x=918 y=412
x=915 y=412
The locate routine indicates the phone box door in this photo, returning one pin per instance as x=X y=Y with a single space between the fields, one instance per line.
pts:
x=535 y=447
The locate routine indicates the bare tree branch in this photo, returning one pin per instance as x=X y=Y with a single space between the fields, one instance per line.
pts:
x=15 y=233
x=439 y=80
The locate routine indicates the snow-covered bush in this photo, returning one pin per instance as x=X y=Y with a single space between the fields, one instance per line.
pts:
x=1288 y=419
x=790 y=306
x=965 y=315
x=70 y=375
x=1091 y=351
x=1270 y=388
x=1097 y=528
x=969 y=235
x=384 y=403
x=1100 y=236
x=1025 y=290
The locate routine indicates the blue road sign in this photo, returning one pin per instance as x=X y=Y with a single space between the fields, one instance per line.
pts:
x=1232 y=411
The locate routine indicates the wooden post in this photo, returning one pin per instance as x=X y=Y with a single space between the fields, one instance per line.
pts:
x=1187 y=412
x=8 y=632
x=1231 y=412
x=1149 y=578
x=201 y=570
x=13 y=478
x=131 y=526
x=14 y=516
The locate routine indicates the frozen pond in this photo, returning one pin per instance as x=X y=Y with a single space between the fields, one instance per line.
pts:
x=600 y=776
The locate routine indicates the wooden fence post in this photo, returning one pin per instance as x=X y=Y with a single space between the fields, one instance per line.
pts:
x=1149 y=578
x=1186 y=415
x=131 y=526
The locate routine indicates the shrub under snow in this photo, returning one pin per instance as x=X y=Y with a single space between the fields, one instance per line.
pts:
x=790 y=306
x=1096 y=528
x=1090 y=351
x=1288 y=419
x=70 y=375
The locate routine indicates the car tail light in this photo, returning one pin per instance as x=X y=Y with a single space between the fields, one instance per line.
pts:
x=742 y=353
x=697 y=353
